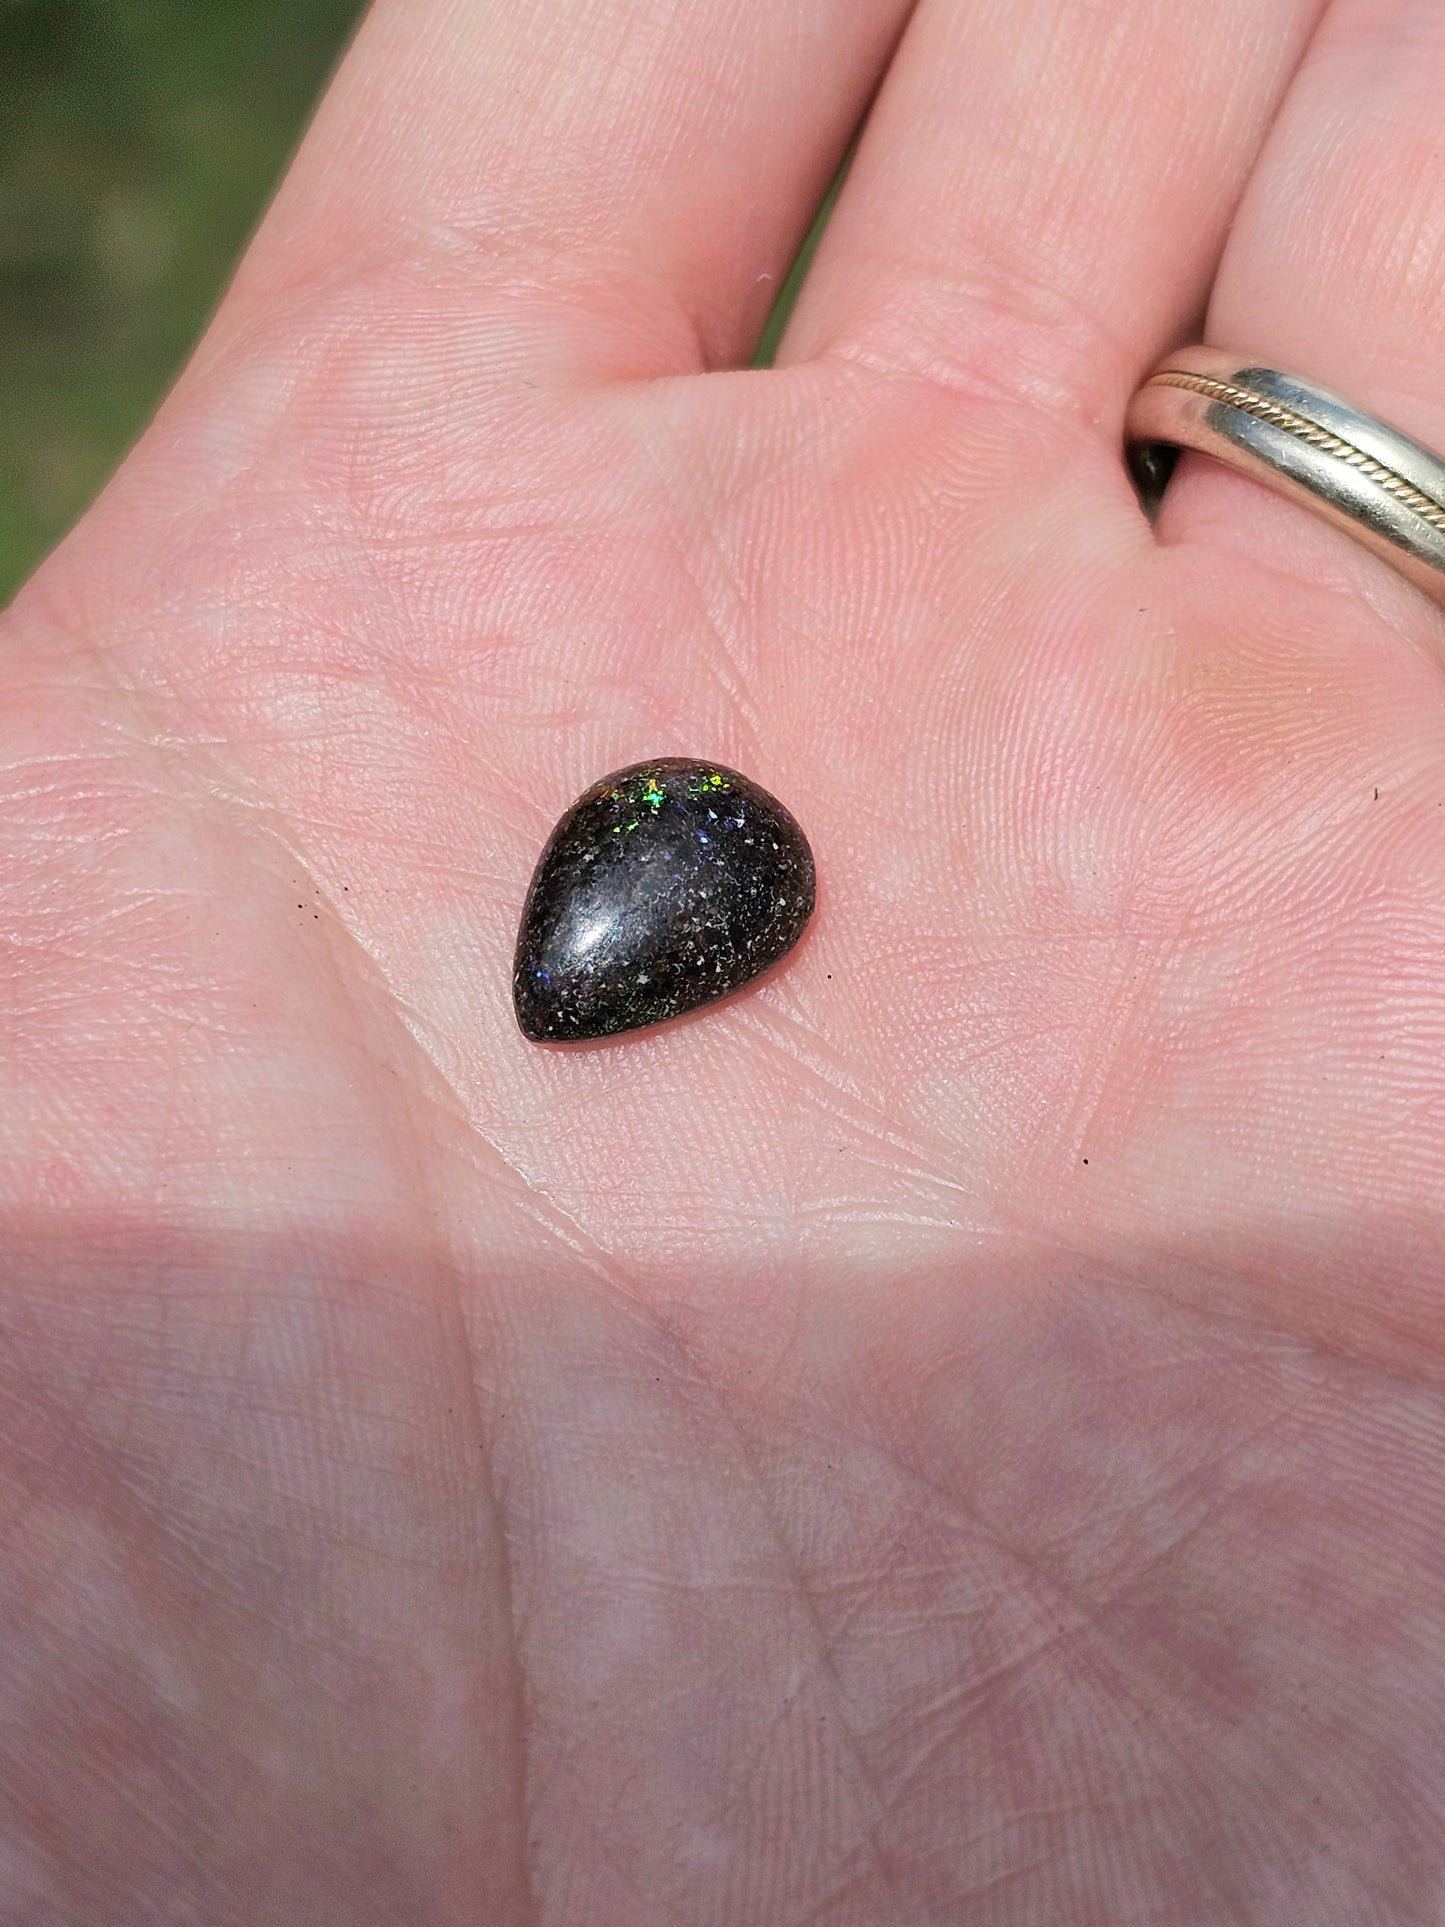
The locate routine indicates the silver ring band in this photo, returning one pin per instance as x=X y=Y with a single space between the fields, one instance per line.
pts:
x=1366 y=477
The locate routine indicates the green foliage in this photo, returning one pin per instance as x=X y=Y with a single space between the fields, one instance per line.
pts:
x=783 y=307
x=139 y=140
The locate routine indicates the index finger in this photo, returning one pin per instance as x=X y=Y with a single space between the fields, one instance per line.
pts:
x=652 y=162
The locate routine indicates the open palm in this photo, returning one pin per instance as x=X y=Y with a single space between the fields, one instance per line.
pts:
x=949 y=1435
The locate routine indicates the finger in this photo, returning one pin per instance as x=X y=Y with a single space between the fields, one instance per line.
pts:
x=657 y=160
x=1336 y=269
x=1043 y=188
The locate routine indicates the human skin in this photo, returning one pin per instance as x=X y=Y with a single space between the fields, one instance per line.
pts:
x=952 y=1434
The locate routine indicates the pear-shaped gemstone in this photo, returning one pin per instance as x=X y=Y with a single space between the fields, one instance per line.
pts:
x=664 y=887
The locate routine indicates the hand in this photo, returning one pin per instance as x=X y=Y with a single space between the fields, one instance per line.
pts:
x=951 y=1435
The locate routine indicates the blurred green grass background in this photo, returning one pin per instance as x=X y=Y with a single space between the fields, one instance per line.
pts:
x=139 y=141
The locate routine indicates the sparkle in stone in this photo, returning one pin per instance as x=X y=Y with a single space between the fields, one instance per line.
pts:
x=648 y=901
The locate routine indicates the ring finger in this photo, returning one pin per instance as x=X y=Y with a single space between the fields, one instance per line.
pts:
x=1336 y=271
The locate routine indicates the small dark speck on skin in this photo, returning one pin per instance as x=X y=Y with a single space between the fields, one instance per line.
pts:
x=1377 y=796
x=1086 y=1160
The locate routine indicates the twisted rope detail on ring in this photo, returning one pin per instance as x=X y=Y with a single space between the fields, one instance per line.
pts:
x=1425 y=506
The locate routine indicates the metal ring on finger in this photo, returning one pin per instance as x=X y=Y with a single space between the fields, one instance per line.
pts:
x=1380 y=486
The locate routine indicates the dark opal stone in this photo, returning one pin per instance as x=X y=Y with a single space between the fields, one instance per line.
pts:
x=663 y=888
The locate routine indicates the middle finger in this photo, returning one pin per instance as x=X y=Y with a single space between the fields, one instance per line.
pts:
x=1043 y=189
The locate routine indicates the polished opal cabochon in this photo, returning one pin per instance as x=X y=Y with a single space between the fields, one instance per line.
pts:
x=664 y=887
